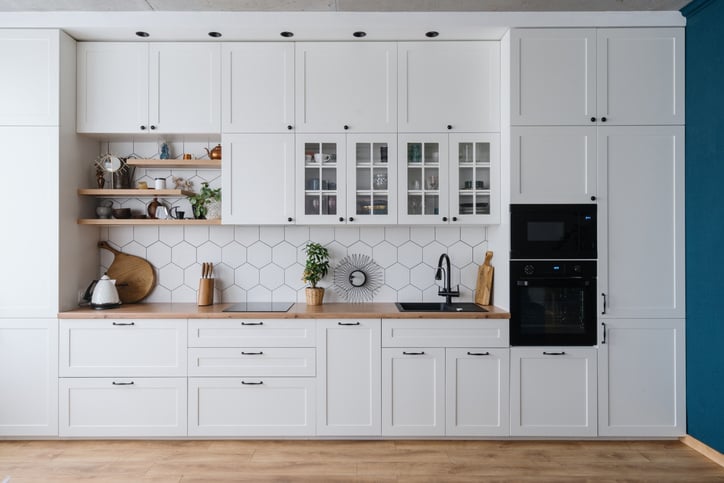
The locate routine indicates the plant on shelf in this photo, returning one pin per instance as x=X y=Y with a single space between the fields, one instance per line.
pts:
x=201 y=201
x=315 y=268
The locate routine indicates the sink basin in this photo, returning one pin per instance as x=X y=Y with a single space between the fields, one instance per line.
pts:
x=438 y=307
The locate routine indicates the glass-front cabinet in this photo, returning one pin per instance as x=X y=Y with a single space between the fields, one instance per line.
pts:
x=372 y=194
x=320 y=174
x=474 y=192
x=423 y=171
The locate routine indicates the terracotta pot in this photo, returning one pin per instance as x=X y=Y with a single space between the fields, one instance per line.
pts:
x=314 y=295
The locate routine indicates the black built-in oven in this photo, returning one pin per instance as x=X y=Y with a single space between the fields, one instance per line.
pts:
x=552 y=302
x=552 y=232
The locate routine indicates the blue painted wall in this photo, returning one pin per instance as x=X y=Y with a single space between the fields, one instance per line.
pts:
x=705 y=220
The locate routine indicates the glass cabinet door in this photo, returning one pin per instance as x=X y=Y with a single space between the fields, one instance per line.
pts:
x=474 y=161
x=423 y=178
x=372 y=191
x=320 y=179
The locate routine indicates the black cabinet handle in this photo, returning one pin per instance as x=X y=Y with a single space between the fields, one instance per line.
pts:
x=153 y=128
x=290 y=219
x=455 y=218
x=252 y=383
x=603 y=324
x=341 y=218
x=603 y=119
x=120 y=324
x=289 y=127
x=449 y=126
x=260 y=353
x=348 y=323
x=593 y=119
x=351 y=218
x=123 y=383
x=478 y=353
x=593 y=198
x=604 y=303
x=346 y=127
x=561 y=353
x=422 y=353
x=444 y=218
x=252 y=323
x=143 y=128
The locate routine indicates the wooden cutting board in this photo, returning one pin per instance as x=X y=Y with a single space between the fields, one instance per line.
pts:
x=484 y=286
x=134 y=276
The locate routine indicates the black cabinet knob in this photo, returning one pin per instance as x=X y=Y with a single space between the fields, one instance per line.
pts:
x=455 y=218
x=351 y=218
x=289 y=127
x=143 y=128
x=593 y=119
x=341 y=219
x=603 y=119
x=593 y=198
x=153 y=128
x=346 y=127
x=444 y=218
x=449 y=126
x=289 y=219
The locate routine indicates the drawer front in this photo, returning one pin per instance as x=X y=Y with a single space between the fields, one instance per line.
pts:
x=122 y=407
x=252 y=333
x=126 y=348
x=283 y=361
x=445 y=333
x=251 y=406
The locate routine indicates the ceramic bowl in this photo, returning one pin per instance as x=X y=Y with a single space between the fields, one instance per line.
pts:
x=121 y=213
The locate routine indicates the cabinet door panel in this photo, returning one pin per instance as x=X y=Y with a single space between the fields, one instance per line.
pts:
x=423 y=178
x=553 y=76
x=445 y=332
x=641 y=378
x=641 y=227
x=252 y=333
x=185 y=100
x=553 y=164
x=372 y=179
x=258 y=179
x=256 y=362
x=257 y=86
x=113 y=87
x=321 y=175
x=474 y=178
x=641 y=76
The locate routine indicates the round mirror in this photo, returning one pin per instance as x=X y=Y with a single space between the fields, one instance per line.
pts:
x=357 y=278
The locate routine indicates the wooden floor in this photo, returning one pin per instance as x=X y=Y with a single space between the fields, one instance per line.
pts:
x=433 y=461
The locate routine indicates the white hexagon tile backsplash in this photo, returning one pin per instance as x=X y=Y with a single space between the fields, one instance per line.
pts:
x=260 y=263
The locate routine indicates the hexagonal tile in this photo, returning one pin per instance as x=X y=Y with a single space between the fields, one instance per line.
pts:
x=284 y=254
x=431 y=253
x=145 y=235
x=386 y=294
x=246 y=235
x=258 y=254
x=183 y=254
x=447 y=235
x=409 y=254
x=246 y=276
x=479 y=252
x=397 y=276
x=296 y=235
x=121 y=235
x=159 y=254
x=372 y=235
x=293 y=276
x=321 y=234
x=271 y=276
x=224 y=276
x=134 y=248
x=430 y=295
x=422 y=276
x=258 y=294
x=472 y=235
x=284 y=294
x=460 y=254
x=222 y=235
x=192 y=275
x=409 y=293
x=183 y=294
x=233 y=294
x=397 y=235
x=360 y=248
x=196 y=234
x=159 y=295
x=271 y=235
x=233 y=254
x=385 y=254
x=422 y=235
x=469 y=276
x=337 y=251
x=171 y=277
x=171 y=235
x=208 y=252
x=346 y=235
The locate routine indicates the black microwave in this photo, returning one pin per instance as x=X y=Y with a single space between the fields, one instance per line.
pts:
x=550 y=232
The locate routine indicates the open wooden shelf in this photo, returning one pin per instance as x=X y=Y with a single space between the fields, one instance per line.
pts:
x=144 y=221
x=132 y=193
x=174 y=163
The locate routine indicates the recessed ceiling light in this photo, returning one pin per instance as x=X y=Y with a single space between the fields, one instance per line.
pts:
x=214 y=34
x=287 y=34
x=432 y=34
x=359 y=34
x=142 y=34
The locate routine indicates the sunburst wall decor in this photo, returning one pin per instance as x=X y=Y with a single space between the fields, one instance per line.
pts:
x=357 y=278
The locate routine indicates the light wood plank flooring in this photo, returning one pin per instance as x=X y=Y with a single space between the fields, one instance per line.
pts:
x=398 y=461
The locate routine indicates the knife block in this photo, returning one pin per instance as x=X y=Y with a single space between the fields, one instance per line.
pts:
x=205 y=295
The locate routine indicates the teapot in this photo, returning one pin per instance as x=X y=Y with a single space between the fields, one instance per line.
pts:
x=214 y=153
x=103 y=293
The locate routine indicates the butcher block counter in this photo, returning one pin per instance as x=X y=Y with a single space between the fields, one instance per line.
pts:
x=297 y=311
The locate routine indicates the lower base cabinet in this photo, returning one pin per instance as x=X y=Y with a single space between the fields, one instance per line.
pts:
x=272 y=406
x=553 y=391
x=122 y=407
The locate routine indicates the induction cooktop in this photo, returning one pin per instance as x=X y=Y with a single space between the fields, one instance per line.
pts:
x=259 y=307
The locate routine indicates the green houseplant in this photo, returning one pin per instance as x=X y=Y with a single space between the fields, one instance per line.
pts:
x=200 y=201
x=315 y=268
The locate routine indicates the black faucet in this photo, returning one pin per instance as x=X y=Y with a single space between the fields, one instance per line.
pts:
x=446 y=290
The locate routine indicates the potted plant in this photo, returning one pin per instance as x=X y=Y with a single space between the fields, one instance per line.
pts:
x=315 y=268
x=201 y=201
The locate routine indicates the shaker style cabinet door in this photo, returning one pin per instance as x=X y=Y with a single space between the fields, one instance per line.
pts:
x=372 y=178
x=321 y=178
x=257 y=80
x=113 y=87
x=474 y=178
x=344 y=86
x=258 y=179
x=449 y=86
x=553 y=77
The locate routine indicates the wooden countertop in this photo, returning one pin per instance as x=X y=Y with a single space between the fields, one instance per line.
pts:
x=298 y=311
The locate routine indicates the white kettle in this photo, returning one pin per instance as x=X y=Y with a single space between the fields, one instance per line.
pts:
x=104 y=294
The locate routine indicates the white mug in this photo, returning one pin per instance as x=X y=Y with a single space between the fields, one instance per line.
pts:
x=319 y=157
x=159 y=183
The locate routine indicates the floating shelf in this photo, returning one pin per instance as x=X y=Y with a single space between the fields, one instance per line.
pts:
x=132 y=193
x=144 y=221
x=174 y=163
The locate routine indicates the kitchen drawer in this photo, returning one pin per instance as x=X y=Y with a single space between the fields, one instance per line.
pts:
x=122 y=407
x=270 y=406
x=252 y=333
x=126 y=348
x=284 y=361
x=445 y=333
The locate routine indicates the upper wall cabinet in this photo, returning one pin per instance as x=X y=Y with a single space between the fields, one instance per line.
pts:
x=343 y=86
x=449 y=86
x=140 y=87
x=29 y=80
x=257 y=87
x=621 y=76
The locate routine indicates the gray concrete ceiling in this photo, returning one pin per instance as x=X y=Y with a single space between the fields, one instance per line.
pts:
x=341 y=5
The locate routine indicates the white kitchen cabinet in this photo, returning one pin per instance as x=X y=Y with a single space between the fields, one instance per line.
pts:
x=123 y=348
x=621 y=76
x=371 y=179
x=449 y=86
x=553 y=391
x=128 y=87
x=251 y=332
x=29 y=377
x=321 y=178
x=272 y=406
x=344 y=86
x=554 y=164
x=29 y=93
x=641 y=378
x=257 y=80
x=348 y=384
x=474 y=178
x=258 y=179
x=641 y=221
x=445 y=333
x=423 y=178
x=477 y=385
x=122 y=407
x=413 y=391
x=254 y=361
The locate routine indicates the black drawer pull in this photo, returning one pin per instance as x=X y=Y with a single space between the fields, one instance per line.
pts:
x=122 y=324
x=123 y=383
x=252 y=383
x=252 y=323
x=561 y=353
x=478 y=353
x=348 y=323
x=260 y=353
x=422 y=353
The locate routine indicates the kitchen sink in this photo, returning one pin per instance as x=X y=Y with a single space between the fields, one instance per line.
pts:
x=438 y=307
